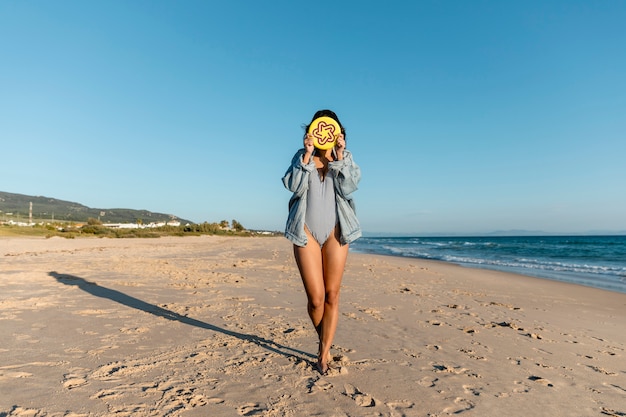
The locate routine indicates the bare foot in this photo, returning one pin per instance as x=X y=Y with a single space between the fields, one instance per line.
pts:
x=329 y=357
x=322 y=367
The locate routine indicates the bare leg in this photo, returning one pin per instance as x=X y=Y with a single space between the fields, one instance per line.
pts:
x=309 y=260
x=321 y=270
x=334 y=257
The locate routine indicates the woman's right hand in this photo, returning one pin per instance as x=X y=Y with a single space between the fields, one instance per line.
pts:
x=308 y=144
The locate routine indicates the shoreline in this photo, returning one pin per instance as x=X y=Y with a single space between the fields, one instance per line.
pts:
x=503 y=270
x=217 y=326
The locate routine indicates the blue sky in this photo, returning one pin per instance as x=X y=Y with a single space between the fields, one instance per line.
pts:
x=465 y=116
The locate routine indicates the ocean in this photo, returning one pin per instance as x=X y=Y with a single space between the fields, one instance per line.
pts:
x=595 y=261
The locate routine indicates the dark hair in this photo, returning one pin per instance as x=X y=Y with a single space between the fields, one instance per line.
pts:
x=327 y=113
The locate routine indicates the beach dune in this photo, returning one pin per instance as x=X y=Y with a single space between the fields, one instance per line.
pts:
x=217 y=326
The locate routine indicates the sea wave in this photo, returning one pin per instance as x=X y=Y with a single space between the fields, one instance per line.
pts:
x=594 y=261
x=515 y=263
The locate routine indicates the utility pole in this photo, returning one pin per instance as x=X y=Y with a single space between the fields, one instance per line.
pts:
x=30 y=214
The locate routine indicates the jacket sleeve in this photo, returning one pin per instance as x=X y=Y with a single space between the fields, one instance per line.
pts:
x=347 y=174
x=296 y=179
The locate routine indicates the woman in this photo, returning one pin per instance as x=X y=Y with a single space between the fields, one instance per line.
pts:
x=321 y=224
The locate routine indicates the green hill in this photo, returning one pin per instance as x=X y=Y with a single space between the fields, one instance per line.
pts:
x=16 y=207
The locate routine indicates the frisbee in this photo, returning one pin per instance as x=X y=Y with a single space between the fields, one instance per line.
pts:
x=324 y=131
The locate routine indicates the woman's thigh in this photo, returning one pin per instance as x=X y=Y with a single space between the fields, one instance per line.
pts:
x=309 y=260
x=334 y=256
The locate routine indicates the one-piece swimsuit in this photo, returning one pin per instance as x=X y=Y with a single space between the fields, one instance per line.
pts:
x=321 y=212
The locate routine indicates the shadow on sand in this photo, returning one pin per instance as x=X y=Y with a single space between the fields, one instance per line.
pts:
x=124 y=299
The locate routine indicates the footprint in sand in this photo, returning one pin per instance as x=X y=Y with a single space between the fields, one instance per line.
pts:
x=335 y=369
x=400 y=406
x=602 y=370
x=134 y=330
x=16 y=374
x=360 y=398
x=520 y=388
x=428 y=381
x=372 y=313
x=342 y=349
x=106 y=394
x=251 y=409
x=443 y=368
x=612 y=413
x=352 y=316
x=460 y=405
x=214 y=400
x=318 y=384
x=472 y=354
x=541 y=381
x=197 y=400
x=70 y=382
x=76 y=378
x=471 y=390
x=498 y=304
x=25 y=412
x=109 y=372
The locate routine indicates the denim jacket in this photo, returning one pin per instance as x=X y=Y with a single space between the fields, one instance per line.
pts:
x=346 y=175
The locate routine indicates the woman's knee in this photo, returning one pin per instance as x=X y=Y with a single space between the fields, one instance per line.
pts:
x=332 y=298
x=316 y=301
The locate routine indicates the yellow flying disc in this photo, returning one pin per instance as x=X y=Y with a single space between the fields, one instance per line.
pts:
x=324 y=131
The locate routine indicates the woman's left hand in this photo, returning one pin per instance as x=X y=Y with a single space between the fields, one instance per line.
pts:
x=340 y=145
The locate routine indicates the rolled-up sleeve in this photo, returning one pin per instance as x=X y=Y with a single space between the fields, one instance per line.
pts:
x=296 y=179
x=347 y=174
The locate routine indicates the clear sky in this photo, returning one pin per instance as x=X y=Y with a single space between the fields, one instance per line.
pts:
x=465 y=116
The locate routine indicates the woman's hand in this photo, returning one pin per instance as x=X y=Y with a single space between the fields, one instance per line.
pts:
x=308 y=148
x=340 y=145
x=308 y=143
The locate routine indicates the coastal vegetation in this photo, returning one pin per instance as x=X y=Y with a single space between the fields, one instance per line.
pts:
x=95 y=228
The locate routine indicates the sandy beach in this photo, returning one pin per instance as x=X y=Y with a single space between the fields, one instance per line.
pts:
x=217 y=326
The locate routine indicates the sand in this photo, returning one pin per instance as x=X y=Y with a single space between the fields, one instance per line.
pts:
x=217 y=326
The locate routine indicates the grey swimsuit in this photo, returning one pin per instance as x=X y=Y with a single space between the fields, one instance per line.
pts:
x=321 y=213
